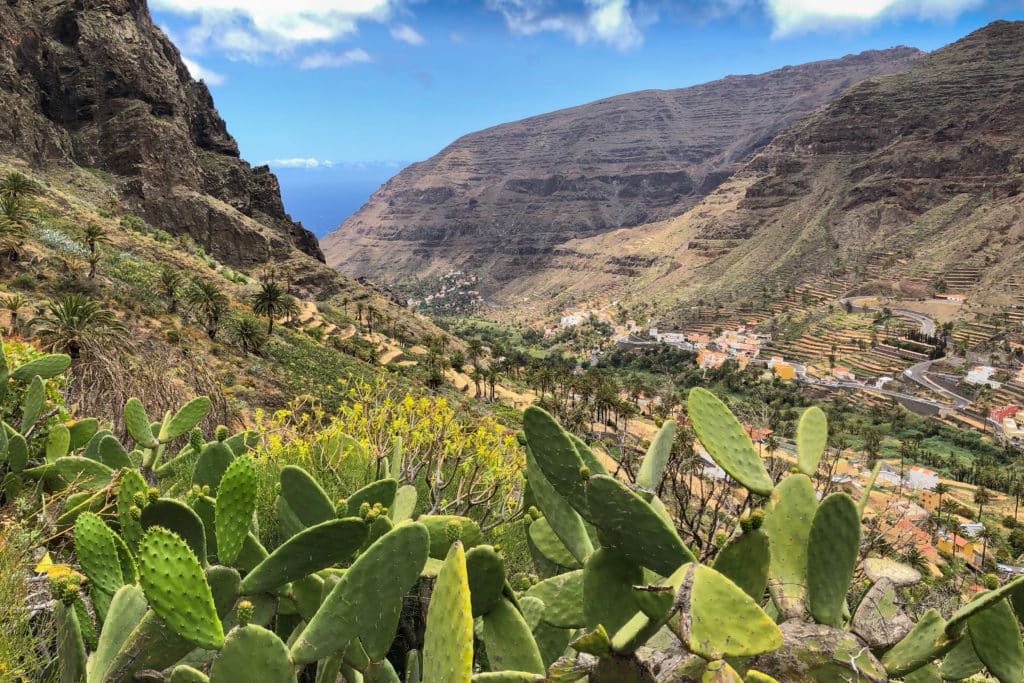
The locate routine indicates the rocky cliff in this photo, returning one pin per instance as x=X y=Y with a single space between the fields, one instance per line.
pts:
x=503 y=199
x=905 y=184
x=97 y=84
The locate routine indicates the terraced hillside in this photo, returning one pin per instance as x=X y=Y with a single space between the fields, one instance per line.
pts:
x=905 y=184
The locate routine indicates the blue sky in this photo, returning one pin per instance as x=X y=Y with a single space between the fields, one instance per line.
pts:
x=339 y=94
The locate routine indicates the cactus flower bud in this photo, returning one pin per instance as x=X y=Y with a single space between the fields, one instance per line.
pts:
x=154 y=494
x=244 y=612
x=453 y=531
x=584 y=472
x=221 y=433
x=364 y=510
x=195 y=440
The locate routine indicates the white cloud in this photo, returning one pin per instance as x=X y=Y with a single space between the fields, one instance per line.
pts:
x=407 y=34
x=248 y=29
x=799 y=16
x=325 y=60
x=201 y=73
x=300 y=162
x=607 y=21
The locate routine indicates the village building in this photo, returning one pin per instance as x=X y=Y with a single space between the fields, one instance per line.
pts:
x=920 y=478
x=843 y=374
x=982 y=374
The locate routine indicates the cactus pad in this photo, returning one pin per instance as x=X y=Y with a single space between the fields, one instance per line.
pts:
x=788 y=519
x=440 y=528
x=46 y=367
x=186 y=674
x=486 y=571
x=996 y=637
x=961 y=662
x=590 y=459
x=565 y=522
x=653 y=466
x=127 y=608
x=509 y=642
x=448 y=644
x=137 y=423
x=719 y=619
x=379 y=576
x=70 y=645
x=179 y=518
x=17 y=452
x=112 y=453
x=562 y=596
x=316 y=548
x=832 y=549
x=811 y=439
x=252 y=653
x=381 y=491
x=176 y=588
x=550 y=546
x=81 y=432
x=305 y=497
x=236 y=503
x=211 y=465
x=187 y=417
x=878 y=568
x=632 y=527
x=608 y=580
x=744 y=561
x=97 y=553
x=57 y=442
x=727 y=442
x=720 y=672
x=32 y=404
x=556 y=456
x=925 y=643
x=405 y=504
x=83 y=472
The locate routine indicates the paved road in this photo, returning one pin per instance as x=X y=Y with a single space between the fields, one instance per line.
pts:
x=918 y=374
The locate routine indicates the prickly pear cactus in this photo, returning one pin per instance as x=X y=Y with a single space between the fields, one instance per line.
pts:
x=448 y=645
x=252 y=653
x=236 y=503
x=726 y=441
x=176 y=588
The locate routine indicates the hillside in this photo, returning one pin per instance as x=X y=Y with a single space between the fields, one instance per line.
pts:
x=109 y=133
x=502 y=201
x=907 y=184
x=98 y=85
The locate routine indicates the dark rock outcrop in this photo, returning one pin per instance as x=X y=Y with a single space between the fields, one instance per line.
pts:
x=97 y=84
x=520 y=189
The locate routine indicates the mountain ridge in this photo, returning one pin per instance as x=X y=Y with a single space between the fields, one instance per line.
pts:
x=97 y=84
x=503 y=198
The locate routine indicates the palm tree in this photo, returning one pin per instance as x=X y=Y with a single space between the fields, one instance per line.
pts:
x=986 y=535
x=76 y=323
x=14 y=303
x=246 y=332
x=15 y=220
x=15 y=186
x=208 y=303
x=94 y=234
x=983 y=398
x=270 y=301
x=170 y=285
x=982 y=496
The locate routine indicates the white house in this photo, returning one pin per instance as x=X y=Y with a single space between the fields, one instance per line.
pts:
x=982 y=374
x=920 y=478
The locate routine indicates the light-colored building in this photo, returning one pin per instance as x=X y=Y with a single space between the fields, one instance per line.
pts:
x=920 y=478
x=982 y=374
x=843 y=373
x=785 y=371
